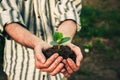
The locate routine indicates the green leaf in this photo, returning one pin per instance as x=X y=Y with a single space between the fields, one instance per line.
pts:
x=63 y=40
x=57 y=36
x=53 y=43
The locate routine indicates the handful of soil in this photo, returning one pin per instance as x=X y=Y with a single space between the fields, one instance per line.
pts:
x=64 y=51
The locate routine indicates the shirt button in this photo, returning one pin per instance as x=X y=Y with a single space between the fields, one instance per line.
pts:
x=38 y=16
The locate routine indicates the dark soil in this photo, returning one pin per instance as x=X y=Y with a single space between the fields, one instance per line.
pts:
x=64 y=51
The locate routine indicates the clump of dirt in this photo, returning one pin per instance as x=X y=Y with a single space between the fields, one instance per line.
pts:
x=64 y=51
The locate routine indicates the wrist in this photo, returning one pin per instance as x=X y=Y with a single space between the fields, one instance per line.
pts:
x=68 y=29
x=38 y=42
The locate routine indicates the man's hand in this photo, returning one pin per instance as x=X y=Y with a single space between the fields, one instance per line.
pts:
x=70 y=65
x=52 y=65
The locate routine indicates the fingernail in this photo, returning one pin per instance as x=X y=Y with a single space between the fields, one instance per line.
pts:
x=63 y=70
x=70 y=59
x=61 y=57
x=56 y=54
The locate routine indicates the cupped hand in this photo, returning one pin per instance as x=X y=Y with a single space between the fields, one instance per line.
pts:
x=51 y=65
x=70 y=65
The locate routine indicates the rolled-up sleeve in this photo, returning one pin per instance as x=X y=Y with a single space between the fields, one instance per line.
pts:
x=9 y=13
x=68 y=9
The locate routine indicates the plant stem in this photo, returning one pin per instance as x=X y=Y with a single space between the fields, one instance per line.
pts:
x=58 y=46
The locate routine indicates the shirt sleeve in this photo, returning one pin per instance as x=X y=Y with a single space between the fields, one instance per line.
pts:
x=68 y=9
x=9 y=13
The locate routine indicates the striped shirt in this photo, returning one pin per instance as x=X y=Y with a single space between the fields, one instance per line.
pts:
x=42 y=18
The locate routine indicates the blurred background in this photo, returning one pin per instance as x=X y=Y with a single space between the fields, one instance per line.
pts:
x=99 y=40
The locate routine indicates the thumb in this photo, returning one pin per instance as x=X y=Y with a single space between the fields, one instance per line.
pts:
x=77 y=52
x=39 y=55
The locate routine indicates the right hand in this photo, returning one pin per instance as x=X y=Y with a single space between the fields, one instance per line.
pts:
x=51 y=65
x=70 y=65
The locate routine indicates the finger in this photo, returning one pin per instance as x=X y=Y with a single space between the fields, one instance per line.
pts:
x=72 y=65
x=58 y=69
x=69 y=70
x=38 y=64
x=39 y=55
x=63 y=70
x=53 y=65
x=66 y=74
x=51 y=60
x=78 y=54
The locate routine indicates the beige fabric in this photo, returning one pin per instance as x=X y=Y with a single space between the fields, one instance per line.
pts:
x=41 y=17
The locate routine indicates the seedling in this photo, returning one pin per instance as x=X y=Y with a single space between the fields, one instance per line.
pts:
x=58 y=39
x=58 y=47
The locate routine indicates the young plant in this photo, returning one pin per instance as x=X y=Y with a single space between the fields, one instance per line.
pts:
x=58 y=39
x=62 y=50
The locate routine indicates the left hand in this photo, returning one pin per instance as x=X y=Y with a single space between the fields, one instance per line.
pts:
x=70 y=65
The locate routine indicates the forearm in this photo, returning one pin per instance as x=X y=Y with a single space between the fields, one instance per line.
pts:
x=68 y=28
x=22 y=35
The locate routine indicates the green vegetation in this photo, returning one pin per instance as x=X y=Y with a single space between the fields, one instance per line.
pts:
x=58 y=39
x=99 y=23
